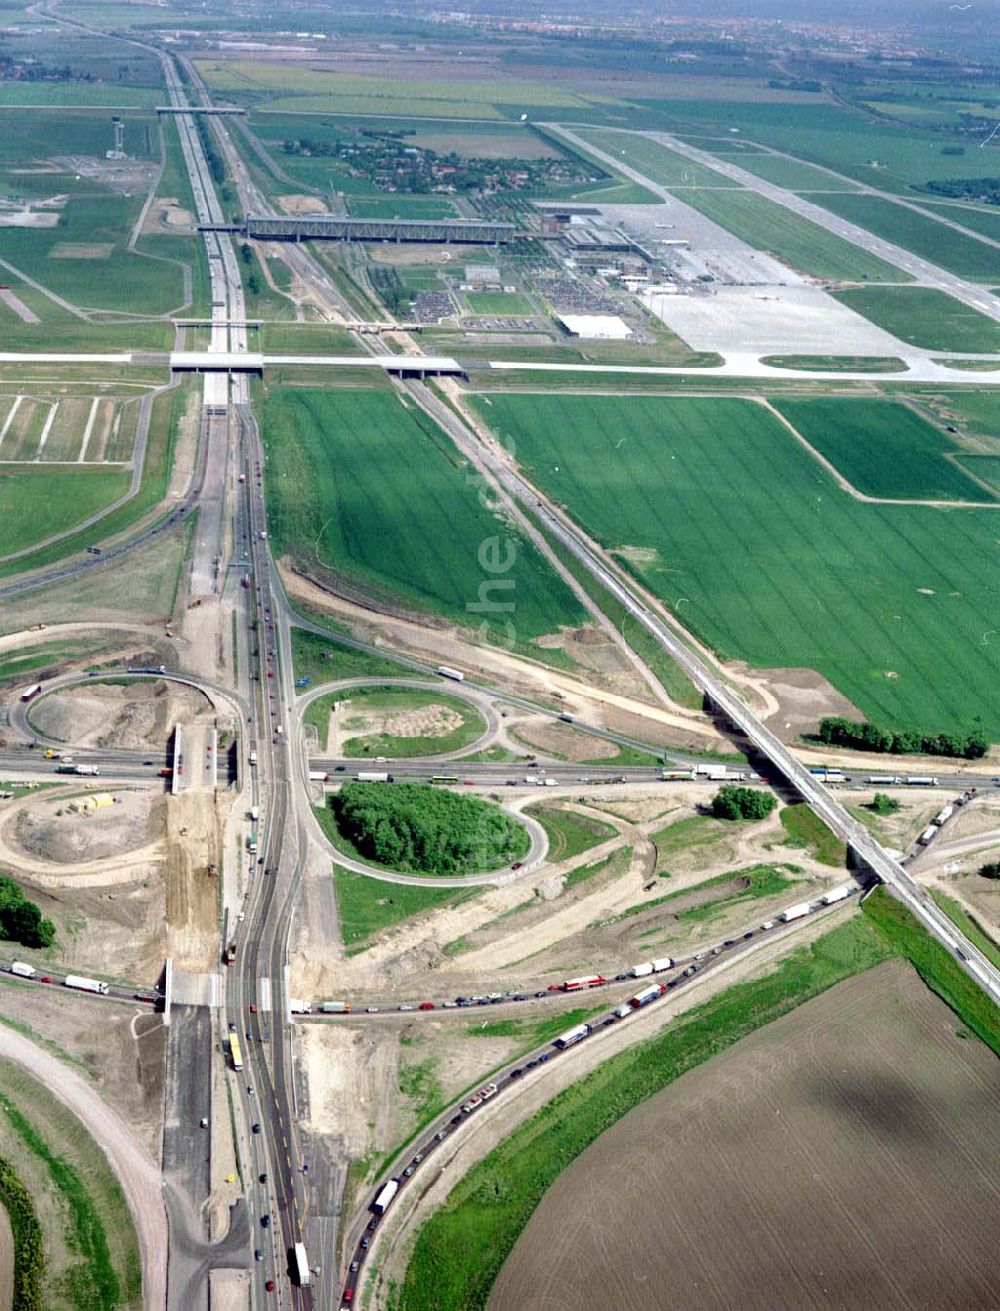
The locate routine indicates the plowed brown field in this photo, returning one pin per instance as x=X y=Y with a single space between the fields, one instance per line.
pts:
x=843 y=1157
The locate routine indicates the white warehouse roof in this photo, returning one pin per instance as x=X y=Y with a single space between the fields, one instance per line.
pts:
x=608 y=326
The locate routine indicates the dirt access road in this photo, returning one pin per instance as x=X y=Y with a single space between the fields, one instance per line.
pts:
x=134 y=1170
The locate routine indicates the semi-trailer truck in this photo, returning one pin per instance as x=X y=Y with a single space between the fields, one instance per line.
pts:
x=373 y=776
x=654 y=991
x=336 y=1008
x=89 y=771
x=943 y=815
x=25 y=971
x=795 y=912
x=318 y=776
x=300 y=1262
x=86 y=985
x=928 y=835
x=922 y=781
x=585 y=981
x=382 y=1201
x=885 y=778
x=446 y=671
x=640 y=971
x=572 y=1036
x=838 y=894
x=663 y=963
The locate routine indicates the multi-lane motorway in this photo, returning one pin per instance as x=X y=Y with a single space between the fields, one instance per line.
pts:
x=256 y=1001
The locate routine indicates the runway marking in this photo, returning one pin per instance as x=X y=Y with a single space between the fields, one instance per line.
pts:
x=10 y=417
x=88 y=430
x=46 y=430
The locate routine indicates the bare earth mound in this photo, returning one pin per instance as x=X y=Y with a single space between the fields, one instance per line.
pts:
x=129 y=715
x=56 y=833
x=843 y=1157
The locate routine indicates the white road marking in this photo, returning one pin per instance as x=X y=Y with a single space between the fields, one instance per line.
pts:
x=10 y=417
x=89 y=428
x=46 y=430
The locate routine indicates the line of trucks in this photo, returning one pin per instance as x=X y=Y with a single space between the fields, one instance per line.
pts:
x=25 y=971
x=941 y=818
x=578 y=1033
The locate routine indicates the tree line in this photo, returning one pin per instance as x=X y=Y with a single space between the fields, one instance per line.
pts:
x=866 y=736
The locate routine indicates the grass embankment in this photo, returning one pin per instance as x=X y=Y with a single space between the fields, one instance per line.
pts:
x=664 y=669
x=420 y=829
x=392 y=702
x=98 y=1268
x=569 y=832
x=324 y=659
x=969 y=925
x=935 y=966
x=460 y=1249
x=837 y=363
x=367 y=907
x=806 y=829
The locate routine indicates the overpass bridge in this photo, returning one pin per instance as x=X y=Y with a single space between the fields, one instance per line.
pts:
x=402 y=366
x=201 y=109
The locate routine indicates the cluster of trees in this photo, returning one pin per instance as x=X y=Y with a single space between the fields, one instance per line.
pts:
x=389 y=287
x=991 y=870
x=413 y=826
x=29 y=1249
x=865 y=736
x=20 y=919
x=985 y=190
x=882 y=804
x=731 y=802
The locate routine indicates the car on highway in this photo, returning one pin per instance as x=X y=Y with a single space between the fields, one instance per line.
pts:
x=355 y=1267
x=258 y=1255
x=265 y=1221
x=405 y=1006
x=255 y=1127
x=253 y=1008
x=269 y=1285
x=365 y=1241
x=348 y=1295
x=426 y=1005
x=45 y=979
x=371 y=1010
x=517 y=864
x=408 y=1171
x=263 y=1177
x=441 y=1135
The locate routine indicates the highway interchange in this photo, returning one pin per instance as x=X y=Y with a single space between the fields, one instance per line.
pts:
x=270 y=714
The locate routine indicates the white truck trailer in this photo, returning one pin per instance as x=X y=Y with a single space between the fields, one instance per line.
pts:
x=446 y=671
x=837 y=894
x=25 y=971
x=382 y=1201
x=795 y=912
x=86 y=985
